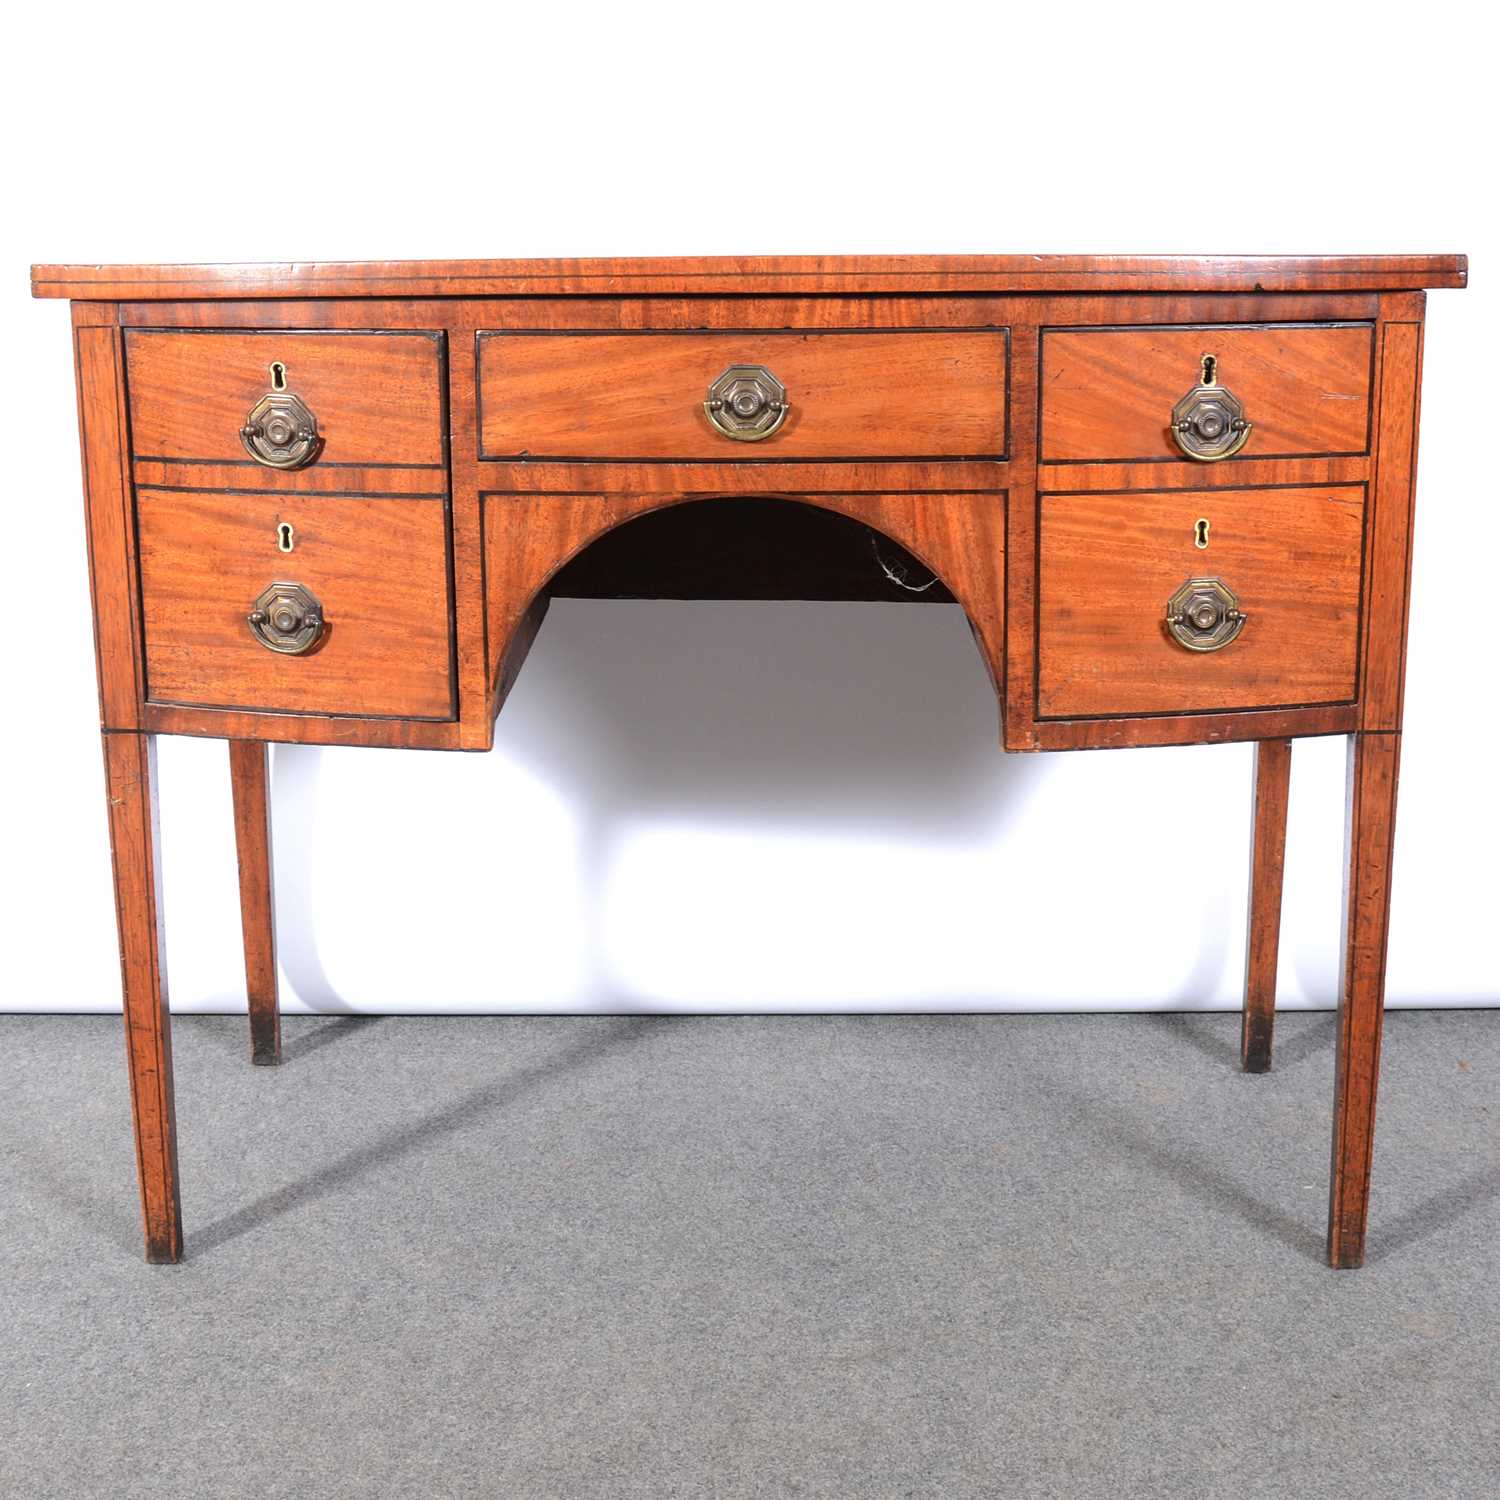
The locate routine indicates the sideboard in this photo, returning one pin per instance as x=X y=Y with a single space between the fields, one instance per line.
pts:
x=329 y=503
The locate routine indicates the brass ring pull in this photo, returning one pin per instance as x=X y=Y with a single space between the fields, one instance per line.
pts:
x=287 y=619
x=1209 y=422
x=281 y=432
x=1204 y=615
x=746 y=403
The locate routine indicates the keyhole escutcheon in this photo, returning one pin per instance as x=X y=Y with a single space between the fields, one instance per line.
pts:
x=1200 y=532
x=285 y=540
x=278 y=375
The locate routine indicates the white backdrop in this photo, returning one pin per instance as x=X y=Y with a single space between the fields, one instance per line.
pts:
x=705 y=807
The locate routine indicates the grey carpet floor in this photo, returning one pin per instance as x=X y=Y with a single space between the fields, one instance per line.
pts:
x=942 y=1256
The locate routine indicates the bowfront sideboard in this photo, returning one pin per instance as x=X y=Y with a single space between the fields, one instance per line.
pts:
x=329 y=504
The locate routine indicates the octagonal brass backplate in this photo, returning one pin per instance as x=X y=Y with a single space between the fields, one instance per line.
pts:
x=281 y=431
x=1204 y=615
x=286 y=618
x=746 y=403
x=1209 y=422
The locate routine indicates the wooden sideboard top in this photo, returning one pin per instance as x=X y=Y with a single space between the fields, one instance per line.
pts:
x=443 y=443
x=759 y=274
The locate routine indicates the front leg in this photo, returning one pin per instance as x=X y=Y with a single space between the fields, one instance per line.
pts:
x=1370 y=828
x=130 y=781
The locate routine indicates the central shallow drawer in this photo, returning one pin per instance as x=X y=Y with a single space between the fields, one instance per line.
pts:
x=848 y=395
x=377 y=568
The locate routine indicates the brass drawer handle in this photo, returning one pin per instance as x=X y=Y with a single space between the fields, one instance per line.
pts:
x=281 y=432
x=287 y=619
x=1209 y=422
x=746 y=403
x=1204 y=615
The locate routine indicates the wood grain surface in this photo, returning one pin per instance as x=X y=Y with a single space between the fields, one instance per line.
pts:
x=377 y=397
x=111 y=531
x=1110 y=563
x=1108 y=394
x=1392 y=522
x=464 y=316
x=640 y=396
x=422 y=482
x=379 y=568
x=1179 y=474
x=743 y=274
x=1213 y=727
x=306 y=728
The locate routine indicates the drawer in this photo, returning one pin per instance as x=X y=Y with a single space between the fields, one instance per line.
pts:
x=1108 y=394
x=377 y=398
x=848 y=395
x=1111 y=563
x=377 y=568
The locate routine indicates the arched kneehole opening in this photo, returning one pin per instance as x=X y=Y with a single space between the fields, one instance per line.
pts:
x=746 y=548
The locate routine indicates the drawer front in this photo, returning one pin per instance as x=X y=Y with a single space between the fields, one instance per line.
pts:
x=377 y=398
x=641 y=396
x=1108 y=394
x=1112 y=563
x=377 y=568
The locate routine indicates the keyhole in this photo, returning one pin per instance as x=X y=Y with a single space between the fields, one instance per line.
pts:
x=278 y=382
x=284 y=535
x=1210 y=369
x=1200 y=532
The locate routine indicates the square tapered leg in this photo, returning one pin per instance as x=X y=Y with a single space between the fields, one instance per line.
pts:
x=252 y=836
x=1370 y=828
x=1273 y=772
x=130 y=779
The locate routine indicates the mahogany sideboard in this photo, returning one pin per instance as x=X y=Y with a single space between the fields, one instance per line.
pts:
x=329 y=504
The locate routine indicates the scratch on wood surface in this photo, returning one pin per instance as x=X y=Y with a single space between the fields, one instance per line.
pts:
x=131 y=784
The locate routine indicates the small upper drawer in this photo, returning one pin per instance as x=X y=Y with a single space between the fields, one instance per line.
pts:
x=1109 y=394
x=846 y=395
x=376 y=398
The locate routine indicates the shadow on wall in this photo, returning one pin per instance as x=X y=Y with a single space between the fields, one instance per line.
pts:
x=840 y=715
x=863 y=719
x=295 y=772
